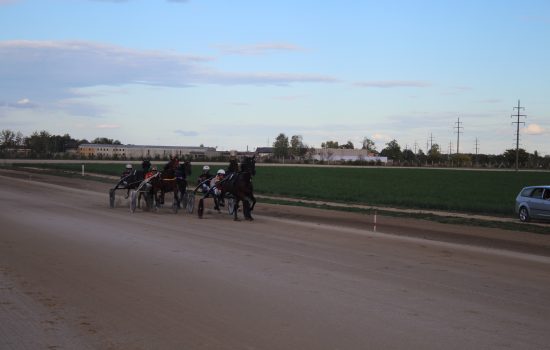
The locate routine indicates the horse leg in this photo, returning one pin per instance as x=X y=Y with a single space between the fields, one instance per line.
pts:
x=246 y=210
x=236 y=209
x=253 y=200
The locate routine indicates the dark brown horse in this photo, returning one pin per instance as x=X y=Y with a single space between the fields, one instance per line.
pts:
x=239 y=185
x=167 y=182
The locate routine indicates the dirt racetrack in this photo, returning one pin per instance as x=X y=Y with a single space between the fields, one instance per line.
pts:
x=75 y=274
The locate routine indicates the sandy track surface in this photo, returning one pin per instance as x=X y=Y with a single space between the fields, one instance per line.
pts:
x=75 y=274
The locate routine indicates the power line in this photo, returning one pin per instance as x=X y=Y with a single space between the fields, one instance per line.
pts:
x=518 y=115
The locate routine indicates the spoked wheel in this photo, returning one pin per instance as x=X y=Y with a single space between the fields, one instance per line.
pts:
x=133 y=201
x=200 y=209
x=148 y=201
x=184 y=199
x=230 y=205
x=190 y=203
x=175 y=204
x=523 y=214
x=112 y=198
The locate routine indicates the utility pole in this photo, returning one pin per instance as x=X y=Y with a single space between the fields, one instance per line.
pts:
x=477 y=148
x=458 y=132
x=519 y=108
x=450 y=152
x=431 y=140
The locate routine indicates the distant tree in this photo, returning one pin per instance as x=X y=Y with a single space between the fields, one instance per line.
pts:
x=369 y=145
x=392 y=151
x=510 y=157
x=434 y=154
x=421 y=158
x=330 y=144
x=105 y=141
x=7 y=138
x=281 y=146
x=39 y=144
x=461 y=159
x=409 y=156
x=297 y=147
x=348 y=145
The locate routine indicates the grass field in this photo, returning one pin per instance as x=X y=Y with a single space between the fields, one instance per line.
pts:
x=481 y=192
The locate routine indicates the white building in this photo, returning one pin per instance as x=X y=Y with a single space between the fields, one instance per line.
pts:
x=92 y=150
x=345 y=155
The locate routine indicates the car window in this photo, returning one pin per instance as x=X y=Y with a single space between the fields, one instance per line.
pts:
x=546 y=194
x=537 y=193
x=526 y=192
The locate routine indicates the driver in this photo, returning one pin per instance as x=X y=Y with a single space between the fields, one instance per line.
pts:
x=216 y=189
x=205 y=175
x=127 y=170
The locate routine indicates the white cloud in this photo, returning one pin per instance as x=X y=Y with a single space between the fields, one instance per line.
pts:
x=107 y=126
x=51 y=70
x=186 y=133
x=394 y=83
x=381 y=137
x=258 y=49
x=535 y=129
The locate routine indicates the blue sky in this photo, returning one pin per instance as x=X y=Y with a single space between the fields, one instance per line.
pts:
x=235 y=74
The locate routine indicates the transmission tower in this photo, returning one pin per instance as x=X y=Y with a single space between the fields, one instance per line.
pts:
x=458 y=132
x=518 y=115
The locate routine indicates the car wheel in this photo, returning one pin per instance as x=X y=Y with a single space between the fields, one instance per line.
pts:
x=523 y=214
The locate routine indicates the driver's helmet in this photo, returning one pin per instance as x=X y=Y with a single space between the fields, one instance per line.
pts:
x=221 y=172
x=205 y=169
x=128 y=166
x=154 y=168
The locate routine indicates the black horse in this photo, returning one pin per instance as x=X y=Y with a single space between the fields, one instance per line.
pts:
x=239 y=185
x=166 y=182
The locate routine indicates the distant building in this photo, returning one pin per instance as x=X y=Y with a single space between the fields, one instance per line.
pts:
x=329 y=154
x=92 y=150
x=344 y=155
x=264 y=152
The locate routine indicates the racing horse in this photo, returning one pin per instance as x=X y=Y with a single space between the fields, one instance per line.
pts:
x=130 y=181
x=239 y=184
x=165 y=182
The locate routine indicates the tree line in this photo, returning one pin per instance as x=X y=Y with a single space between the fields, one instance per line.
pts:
x=294 y=149
x=42 y=144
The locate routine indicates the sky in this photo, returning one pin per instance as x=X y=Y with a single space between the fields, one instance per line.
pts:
x=236 y=74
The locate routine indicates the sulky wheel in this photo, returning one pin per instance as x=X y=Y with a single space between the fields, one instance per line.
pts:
x=148 y=201
x=112 y=198
x=133 y=201
x=175 y=204
x=190 y=203
x=230 y=205
x=200 y=209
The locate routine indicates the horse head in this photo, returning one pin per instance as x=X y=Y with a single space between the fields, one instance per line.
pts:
x=187 y=167
x=146 y=165
x=249 y=165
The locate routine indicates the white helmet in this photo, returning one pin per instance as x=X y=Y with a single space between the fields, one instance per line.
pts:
x=221 y=172
x=128 y=166
x=206 y=168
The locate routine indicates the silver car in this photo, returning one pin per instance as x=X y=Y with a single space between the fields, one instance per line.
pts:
x=533 y=202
